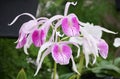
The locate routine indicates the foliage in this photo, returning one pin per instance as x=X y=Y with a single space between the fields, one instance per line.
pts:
x=21 y=74
x=107 y=68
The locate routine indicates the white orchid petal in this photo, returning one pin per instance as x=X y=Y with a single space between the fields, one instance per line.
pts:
x=42 y=18
x=54 y=30
x=42 y=21
x=42 y=58
x=52 y=36
x=67 y=7
x=74 y=66
x=116 y=42
x=25 y=50
x=77 y=40
x=48 y=23
x=87 y=59
x=94 y=60
x=106 y=30
x=56 y=75
x=16 y=41
x=28 y=44
x=94 y=46
x=94 y=31
x=86 y=50
x=28 y=14
x=42 y=48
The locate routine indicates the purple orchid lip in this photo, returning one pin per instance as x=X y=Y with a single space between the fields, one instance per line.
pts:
x=70 y=25
x=61 y=53
x=103 y=48
x=38 y=37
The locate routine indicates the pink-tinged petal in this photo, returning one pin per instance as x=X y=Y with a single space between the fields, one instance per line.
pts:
x=21 y=41
x=38 y=37
x=29 y=26
x=103 y=48
x=61 y=53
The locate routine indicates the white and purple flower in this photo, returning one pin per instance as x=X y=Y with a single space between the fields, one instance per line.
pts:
x=29 y=34
x=91 y=41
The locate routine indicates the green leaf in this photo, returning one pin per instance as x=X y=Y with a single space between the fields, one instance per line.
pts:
x=21 y=74
x=67 y=76
x=117 y=62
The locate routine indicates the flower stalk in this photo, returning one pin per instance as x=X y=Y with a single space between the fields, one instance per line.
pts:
x=55 y=70
x=80 y=65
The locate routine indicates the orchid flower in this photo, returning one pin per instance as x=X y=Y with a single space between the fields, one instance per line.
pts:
x=70 y=23
x=28 y=31
x=61 y=53
x=91 y=41
x=116 y=42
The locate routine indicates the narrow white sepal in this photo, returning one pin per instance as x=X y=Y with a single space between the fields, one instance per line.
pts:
x=74 y=66
x=67 y=7
x=42 y=48
x=42 y=58
x=21 y=15
x=106 y=30
x=25 y=50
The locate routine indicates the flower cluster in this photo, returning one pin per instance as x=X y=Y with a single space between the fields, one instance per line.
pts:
x=74 y=32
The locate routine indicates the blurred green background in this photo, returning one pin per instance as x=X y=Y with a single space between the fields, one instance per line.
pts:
x=98 y=12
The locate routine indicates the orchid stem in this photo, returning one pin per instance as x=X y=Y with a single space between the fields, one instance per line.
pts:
x=55 y=69
x=80 y=65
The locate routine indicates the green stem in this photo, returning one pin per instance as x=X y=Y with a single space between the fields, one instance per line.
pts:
x=80 y=65
x=55 y=69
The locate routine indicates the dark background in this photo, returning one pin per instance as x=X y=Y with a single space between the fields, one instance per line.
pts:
x=9 y=9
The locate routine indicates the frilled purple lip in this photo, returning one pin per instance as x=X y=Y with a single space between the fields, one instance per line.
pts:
x=61 y=53
x=38 y=37
x=70 y=25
